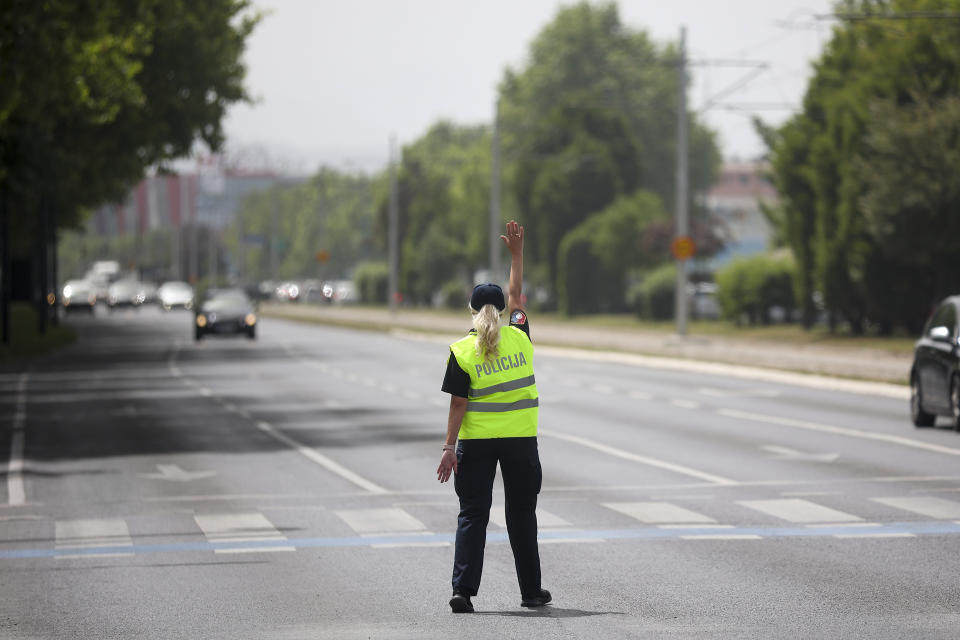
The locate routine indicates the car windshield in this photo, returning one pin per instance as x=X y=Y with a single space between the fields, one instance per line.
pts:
x=127 y=285
x=176 y=286
x=226 y=300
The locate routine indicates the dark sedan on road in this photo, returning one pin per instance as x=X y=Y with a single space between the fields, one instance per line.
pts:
x=935 y=374
x=225 y=311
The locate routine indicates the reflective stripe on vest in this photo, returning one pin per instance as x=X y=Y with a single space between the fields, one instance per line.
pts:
x=503 y=391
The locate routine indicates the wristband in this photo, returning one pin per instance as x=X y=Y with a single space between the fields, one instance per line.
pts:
x=450 y=447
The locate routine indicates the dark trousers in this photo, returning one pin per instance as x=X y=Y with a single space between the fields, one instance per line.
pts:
x=476 y=467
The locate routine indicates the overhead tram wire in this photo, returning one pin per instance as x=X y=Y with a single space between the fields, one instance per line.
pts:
x=902 y=15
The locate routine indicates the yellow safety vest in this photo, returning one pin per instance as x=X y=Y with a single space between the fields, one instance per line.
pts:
x=503 y=399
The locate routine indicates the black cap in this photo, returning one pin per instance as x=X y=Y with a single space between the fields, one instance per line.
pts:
x=487 y=293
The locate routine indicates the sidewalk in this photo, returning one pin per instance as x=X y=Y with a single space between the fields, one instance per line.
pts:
x=844 y=362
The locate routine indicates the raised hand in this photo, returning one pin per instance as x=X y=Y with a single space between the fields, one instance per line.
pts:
x=514 y=238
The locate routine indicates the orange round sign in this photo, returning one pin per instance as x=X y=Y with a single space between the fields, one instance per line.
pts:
x=682 y=248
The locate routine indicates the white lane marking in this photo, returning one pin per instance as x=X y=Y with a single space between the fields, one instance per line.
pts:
x=227 y=497
x=685 y=404
x=658 y=512
x=786 y=453
x=808 y=494
x=717 y=536
x=641 y=395
x=412 y=395
x=439 y=403
x=841 y=431
x=602 y=388
x=626 y=455
x=929 y=506
x=389 y=388
x=545 y=519
x=91 y=533
x=380 y=521
x=875 y=535
x=738 y=393
x=174 y=473
x=696 y=526
x=797 y=510
x=398 y=545
x=322 y=460
x=16 y=492
x=241 y=527
x=172 y=360
x=569 y=540
x=205 y=391
x=840 y=525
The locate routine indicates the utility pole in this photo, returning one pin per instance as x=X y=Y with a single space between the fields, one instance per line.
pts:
x=176 y=229
x=394 y=230
x=495 y=192
x=194 y=240
x=682 y=183
x=5 y=279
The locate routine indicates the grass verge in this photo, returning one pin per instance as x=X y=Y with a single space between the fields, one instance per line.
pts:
x=26 y=341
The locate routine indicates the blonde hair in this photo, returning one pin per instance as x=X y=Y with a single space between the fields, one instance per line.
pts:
x=487 y=323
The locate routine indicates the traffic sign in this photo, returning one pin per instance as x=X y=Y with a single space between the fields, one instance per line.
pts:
x=682 y=248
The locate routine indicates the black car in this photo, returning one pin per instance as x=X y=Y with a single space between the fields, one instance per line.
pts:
x=225 y=311
x=935 y=375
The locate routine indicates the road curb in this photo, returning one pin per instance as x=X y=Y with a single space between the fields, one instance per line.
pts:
x=809 y=380
x=744 y=372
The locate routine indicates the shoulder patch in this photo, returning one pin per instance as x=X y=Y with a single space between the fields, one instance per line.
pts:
x=518 y=317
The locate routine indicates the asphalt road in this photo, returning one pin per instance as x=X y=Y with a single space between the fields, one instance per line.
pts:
x=286 y=488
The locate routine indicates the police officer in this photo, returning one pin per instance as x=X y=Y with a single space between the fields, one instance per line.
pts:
x=493 y=413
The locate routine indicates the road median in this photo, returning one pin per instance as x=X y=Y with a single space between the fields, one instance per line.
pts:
x=826 y=362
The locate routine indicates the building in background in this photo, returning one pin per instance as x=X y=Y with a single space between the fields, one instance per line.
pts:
x=734 y=202
x=190 y=210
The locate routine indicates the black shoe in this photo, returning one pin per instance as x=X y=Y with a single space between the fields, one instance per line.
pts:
x=538 y=600
x=460 y=603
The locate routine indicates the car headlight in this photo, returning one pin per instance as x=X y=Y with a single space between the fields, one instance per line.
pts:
x=67 y=291
x=250 y=319
x=201 y=320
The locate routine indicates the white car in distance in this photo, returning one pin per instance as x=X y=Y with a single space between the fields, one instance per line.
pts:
x=175 y=295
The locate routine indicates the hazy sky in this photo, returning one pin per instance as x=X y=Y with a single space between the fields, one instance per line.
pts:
x=335 y=78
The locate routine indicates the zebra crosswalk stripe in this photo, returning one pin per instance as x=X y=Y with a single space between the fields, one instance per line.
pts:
x=659 y=513
x=929 y=506
x=241 y=527
x=798 y=510
x=73 y=535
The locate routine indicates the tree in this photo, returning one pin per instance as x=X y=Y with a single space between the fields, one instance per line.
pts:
x=93 y=94
x=592 y=117
x=879 y=98
x=595 y=256
x=289 y=224
x=444 y=189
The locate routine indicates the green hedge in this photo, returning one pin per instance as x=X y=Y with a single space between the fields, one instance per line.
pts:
x=653 y=298
x=748 y=288
x=372 y=279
